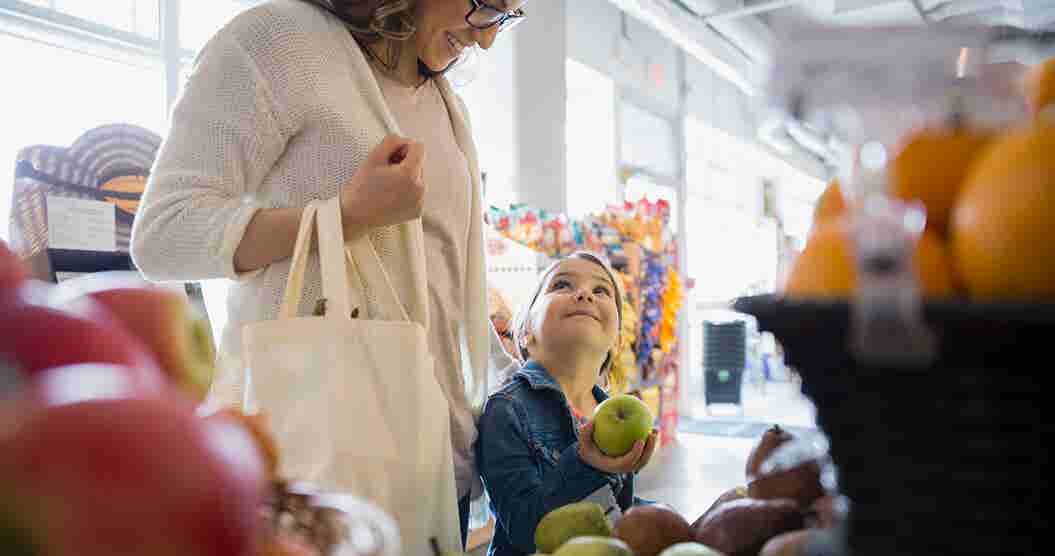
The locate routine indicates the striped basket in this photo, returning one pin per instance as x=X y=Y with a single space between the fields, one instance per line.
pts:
x=88 y=169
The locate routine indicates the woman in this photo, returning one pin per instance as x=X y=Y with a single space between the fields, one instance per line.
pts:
x=536 y=439
x=298 y=100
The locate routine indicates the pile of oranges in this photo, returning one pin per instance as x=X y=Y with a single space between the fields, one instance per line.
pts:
x=990 y=202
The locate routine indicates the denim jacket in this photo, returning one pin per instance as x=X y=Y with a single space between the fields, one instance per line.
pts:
x=527 y=453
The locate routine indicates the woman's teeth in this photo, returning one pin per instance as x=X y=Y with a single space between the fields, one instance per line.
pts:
x=456 y=45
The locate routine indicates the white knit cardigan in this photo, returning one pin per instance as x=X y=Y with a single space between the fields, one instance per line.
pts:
x=281 y=109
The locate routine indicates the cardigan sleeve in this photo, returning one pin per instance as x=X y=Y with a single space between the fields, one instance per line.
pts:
x=227 y=132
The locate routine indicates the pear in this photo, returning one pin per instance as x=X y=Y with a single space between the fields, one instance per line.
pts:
x=801 y=483
x=770 y=440
x=594 y=546
x=690 y=549
x=742 y=527
x=567 y=522
x=792 y=543
x=731 y=494
x=650 y=529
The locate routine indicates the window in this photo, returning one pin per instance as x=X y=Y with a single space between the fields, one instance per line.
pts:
x=59 y=94
x=590 y=132
x=486 y=83
x=72 y=78
x=200 y=19
x=132 y=16
x=95 y=63
x=732 y=248
x=647 y=141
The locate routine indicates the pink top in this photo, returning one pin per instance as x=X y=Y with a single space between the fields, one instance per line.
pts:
x=422 y=115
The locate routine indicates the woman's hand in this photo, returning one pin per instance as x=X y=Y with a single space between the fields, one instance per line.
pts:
x=632 y=462
x=387 y=189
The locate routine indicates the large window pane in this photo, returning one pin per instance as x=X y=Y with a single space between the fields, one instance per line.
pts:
x=77 y=93
x=730 y=253
x=201 y=19
x=590 y=132
x=725 y=179
x=485 y=82
x=647 y=141
x=732 y=247
x=134 y=16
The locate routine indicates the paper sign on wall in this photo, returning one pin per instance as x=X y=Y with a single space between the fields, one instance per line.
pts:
x=81 y=224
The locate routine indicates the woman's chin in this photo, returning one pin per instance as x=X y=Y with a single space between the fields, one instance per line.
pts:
x=437 y=65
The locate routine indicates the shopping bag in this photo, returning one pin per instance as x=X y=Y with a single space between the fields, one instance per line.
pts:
x=350 y=393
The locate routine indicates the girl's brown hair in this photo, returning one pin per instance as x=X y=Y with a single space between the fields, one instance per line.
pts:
x=523 y=316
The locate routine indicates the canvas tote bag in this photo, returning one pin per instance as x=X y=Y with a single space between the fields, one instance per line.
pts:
x=353 y=401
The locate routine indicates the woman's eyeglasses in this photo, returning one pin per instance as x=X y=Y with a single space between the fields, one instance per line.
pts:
x=483 y=16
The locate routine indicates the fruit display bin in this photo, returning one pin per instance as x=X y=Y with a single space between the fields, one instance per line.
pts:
x=951 y=457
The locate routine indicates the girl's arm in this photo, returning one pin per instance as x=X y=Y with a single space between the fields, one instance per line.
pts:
x=521 y=493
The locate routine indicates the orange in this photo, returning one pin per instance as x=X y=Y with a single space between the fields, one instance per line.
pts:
x=932 y=167
x=831 y=204
x=826 y=267
x=1004 y=221
x=256 y=425
x=1040 y=86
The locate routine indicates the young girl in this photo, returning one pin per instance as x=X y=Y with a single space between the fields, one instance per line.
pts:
x=535 y=450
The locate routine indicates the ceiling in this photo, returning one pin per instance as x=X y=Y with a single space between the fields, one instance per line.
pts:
x=749 y=24
x=736 y=38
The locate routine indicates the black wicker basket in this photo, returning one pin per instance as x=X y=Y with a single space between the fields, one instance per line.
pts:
x=947 y=458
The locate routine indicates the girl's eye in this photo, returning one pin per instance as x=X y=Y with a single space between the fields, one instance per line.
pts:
x=601 y=291
x=560 y=284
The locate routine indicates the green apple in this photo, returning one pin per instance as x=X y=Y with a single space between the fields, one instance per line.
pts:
x=690 y=549
x=619 y=422
x=594 y=546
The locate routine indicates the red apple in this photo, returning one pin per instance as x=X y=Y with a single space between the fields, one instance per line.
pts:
x=134 y=476
x=16 y=538
x=164 y=321
x=11 y=384
x=84 y=382
x=36 y=337
x=13 y=272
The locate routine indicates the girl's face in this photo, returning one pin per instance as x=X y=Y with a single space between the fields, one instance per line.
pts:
x=443 y=33
x=575 y=309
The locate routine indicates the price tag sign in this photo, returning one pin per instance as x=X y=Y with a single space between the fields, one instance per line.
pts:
x=81 y=224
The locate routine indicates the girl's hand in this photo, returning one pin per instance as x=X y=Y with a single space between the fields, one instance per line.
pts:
x=631 y=462
x=650 y=448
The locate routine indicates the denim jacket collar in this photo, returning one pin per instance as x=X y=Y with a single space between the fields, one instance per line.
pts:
x=538 y=378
